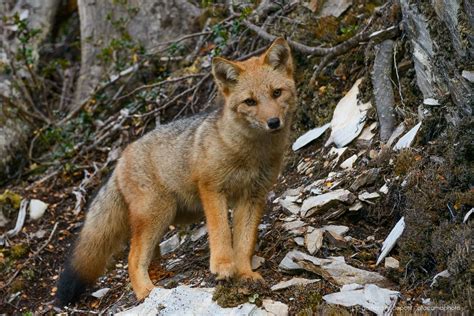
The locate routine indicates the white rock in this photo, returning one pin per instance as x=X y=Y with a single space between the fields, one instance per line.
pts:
x=348 y=119
x=334 y=269
x=356 y=206
x=336 y=229
x=275 y=308
x=392 y=263
x=377 y=300
x=406 y=140
x=169 y=245
x=367 y=133
x=314 y=203
x=299 y=241
x=384 y=189
x=37 y=209
x=100 y=293
x=366 y=196
x=396 y=133
x=334 y=8
x=442 y=274
x=184 y=300
x=391 y=239
x=293 y=192
x=336 y=153
x=469 y=75
x=430 y=101
x=199 y=233
x=309 y=136
x=347 y=164
x=314 y=241
x=292 y=282
x=257 y=262
x=289 y=204
x=290 y=226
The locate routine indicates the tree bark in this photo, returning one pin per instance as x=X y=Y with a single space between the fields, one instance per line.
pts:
x=442 y=48
x=147 y=22
x=14 y=132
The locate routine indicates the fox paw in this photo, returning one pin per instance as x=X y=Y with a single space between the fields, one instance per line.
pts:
x=224 y=269
x=143 y=293
x=251 y=275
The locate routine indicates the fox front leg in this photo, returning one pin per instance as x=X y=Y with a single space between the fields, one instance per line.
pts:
x=220 y=239
x=247 y=216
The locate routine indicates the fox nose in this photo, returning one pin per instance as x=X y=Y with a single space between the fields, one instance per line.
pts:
x=273 y=123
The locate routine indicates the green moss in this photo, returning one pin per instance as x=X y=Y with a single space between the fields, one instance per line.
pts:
x=234 y=293
x=18 y=251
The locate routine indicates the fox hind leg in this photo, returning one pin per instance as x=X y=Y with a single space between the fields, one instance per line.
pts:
x=149 y=219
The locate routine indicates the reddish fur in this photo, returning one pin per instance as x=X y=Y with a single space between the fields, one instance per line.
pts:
x=202 y=165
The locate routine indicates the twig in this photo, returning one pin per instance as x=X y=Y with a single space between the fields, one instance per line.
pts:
x=20 y=221
x=35 y=254
x=158 y=84
x=131 y=70
x=344 y=47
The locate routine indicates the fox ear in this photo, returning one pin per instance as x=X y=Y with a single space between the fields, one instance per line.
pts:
x=278 y=55
x=225 y=72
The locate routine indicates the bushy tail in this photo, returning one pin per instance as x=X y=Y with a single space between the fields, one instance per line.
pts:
x=104 y=231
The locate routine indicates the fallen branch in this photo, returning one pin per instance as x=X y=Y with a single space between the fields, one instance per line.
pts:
x=158 y=84
x=328 y=52
x=383 y=91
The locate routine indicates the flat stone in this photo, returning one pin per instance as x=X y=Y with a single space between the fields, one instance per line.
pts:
x=292 y=282
x=314 y=240
x=169 y=245
x=100 y=293
x=257 y=262
x=334 y=8
x=348 y=119
x=406 y=140
x=309 y=136
x=391 y=239
x=366 y=196
x=337 y=229
x=334 y=269
x=296 y=227
x=275 y=308
x=184 y=300
x=356 y=206
x=199 y=233
x=288 y=204
x=468 y=75
x=349 y=162
x=335 y=239
x=371 y=297
x=367 y=135
x=367 y=177
x=299 y=241
x=315 y=203
x=392 y=263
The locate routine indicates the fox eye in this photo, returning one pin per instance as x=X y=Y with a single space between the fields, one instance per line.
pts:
x=276 y=93
x=250 y=102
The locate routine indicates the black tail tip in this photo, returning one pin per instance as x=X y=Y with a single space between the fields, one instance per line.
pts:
x=70 y=286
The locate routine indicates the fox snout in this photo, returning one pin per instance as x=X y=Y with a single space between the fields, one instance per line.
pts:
x=273 y=123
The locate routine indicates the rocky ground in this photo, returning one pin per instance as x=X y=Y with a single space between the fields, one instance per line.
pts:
x=355 y=224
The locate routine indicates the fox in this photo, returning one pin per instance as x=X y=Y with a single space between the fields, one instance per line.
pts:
x=192 y=169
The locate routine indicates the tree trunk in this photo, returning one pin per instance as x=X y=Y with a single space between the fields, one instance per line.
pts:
x=442 y=50
x=14 y=132
x=137 y=22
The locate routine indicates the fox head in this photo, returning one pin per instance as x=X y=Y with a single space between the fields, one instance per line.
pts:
x=259 y=91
